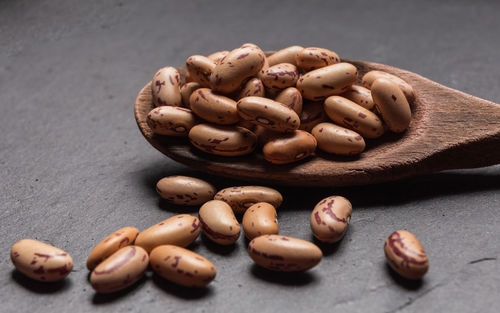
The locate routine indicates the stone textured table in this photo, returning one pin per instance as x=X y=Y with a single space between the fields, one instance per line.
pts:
x=74 y=166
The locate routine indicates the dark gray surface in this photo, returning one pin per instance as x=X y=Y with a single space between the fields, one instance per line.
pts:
x=74 y=166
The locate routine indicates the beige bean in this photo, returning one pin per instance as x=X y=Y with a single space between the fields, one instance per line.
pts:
x=371 y=76
x=312 y=114
x=353 y=116
x=182 y=266
x=200 y=68
x=217 y=56
x=330 y=218
x=286 y=55
x=335 y=139
x=171 y=121
x=40 y=261
x=219 y=223
x=253 y=87
x=254 y=46
x=312 y=58
x=213 y=107
x=290 y=147
x=406 y=255
x=185 y=190
x=114 y=242
x=327 y=81
x=120 y=270
x=180 y=230
x=361 y=96
x=391 y=104
x=242 y=197
x=165 y=87
x=291 y=98
x=284 y=254
x=223 y=140
x=260 y=219
x=268 y=113
x=186 y=90
x=279 y=76
x=234 y=68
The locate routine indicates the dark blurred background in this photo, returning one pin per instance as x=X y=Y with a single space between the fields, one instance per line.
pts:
x=74 y=166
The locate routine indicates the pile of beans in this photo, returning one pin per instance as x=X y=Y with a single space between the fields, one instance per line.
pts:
x=289 y=103
x=122 y=258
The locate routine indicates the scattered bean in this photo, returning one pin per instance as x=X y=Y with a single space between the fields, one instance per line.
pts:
x=185 y=190
x=254 y=87
x=219 y=223
x=330 y=218
x=114 y=242
x=120 y=270
x=279 y=76
x=171 y=121
x=291 y=98
x=284 y=254
x=406 y=255
x=260 y=219
x=370 y=77
x=182 y=266
x=268 y=113
x=286 y=55
x=219 y=55
x=200 y=68
x=180 y=230
x=40 y=261
x=213 y=107
x=361 y=96
x=313 y=58
x=242 y=197
x=186 y=90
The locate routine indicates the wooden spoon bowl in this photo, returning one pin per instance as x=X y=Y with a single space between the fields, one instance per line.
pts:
x=449 y=130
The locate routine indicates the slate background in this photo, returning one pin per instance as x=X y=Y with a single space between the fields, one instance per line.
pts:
x=74 y=167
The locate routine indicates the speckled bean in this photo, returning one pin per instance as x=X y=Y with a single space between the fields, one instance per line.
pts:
x=200 y=68
x=330 y=218
x=406 y=255
x=182 y=266
x=284 y=254
x=180 y=230
x=291 y=98
x=213 y=107
x=253 y=87
x=120 y=270
x=223 y=140
x=353 y=116
x=286 y=55
x=186 y=90
x=242 y=197
x=335 y=139
x=312 y=58
x=391 y=104
x=40 y=261
x=219 y=55
x=171 y=121
x=268 y=113
x=279 y=76
x=165 y=87
x=290 y=147
x=371 y=76
x=114 y=242
x=312 y=114
x=219 y=223
x=361 y=96
x=185 y=190
x=234 y=68
x=327 y=81
x=260 y=219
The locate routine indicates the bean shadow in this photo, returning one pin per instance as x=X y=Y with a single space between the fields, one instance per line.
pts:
x=101 y=298
x=408 y=284
x=283 y=278
x=40 y=287
x=217 y=248
x=186 y=293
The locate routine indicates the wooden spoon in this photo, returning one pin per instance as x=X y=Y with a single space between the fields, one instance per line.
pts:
x=449 y=130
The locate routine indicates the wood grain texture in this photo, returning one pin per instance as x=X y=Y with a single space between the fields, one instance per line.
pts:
x=449 y=130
